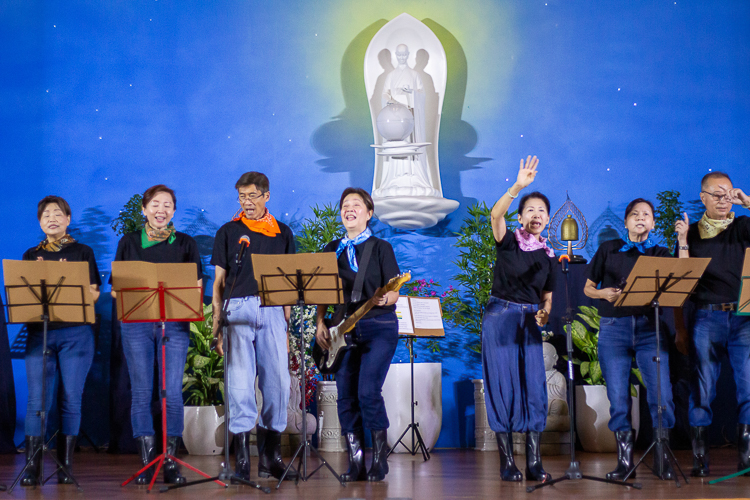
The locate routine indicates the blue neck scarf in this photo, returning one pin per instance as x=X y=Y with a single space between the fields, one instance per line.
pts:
x=640 y=246
x=348 y=244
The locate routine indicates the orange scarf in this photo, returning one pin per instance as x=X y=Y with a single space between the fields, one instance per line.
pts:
x=266 y=225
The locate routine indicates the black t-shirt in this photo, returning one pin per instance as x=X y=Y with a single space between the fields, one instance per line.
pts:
x=720 y=282
x=75 y=252
x=227 y=244
x=380 y=270
x=520 y=276
x=610 y=265
x=182 y=250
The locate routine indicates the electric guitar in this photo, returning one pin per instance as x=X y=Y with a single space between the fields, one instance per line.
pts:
x=328 y=361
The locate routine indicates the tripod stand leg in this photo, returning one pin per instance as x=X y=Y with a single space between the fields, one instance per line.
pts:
x=425 y=451
x=400 y=441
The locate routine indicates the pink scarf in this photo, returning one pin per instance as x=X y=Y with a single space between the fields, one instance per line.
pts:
x=529 y=243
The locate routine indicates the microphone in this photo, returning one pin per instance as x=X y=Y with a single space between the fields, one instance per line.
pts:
x=564 y=260
x=621 y=283
x=244 y=243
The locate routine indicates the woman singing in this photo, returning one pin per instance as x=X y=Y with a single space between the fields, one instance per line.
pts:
x=70 y=346
x=512 y=358
x=157 y=242
x=360 y=378
x=629 y=331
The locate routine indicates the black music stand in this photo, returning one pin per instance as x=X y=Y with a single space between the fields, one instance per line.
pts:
x=661 y=282
x=162 y=304
x=573 y=473
x=59 y=290
x=300 y=280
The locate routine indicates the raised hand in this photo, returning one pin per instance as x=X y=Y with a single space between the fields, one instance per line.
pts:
x=738 y=197
x=527 y=172
x=681 y=228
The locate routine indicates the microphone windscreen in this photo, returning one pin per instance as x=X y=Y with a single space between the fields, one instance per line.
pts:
x=245 y=239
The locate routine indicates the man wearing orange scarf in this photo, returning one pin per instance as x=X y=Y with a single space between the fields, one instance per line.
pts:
x=257 y=335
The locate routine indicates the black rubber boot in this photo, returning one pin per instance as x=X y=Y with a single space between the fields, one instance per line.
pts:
x=379 y=467
x=743 y=447
x=662 y=465
x=270 y=462
x=508 y=469
x=534 y=469
x=31 y=476
x=242 y=455
x=625 y=445
x=355 y=446
x=65 y=447
x=171 y=469
x=147 y=449
x=699 y=438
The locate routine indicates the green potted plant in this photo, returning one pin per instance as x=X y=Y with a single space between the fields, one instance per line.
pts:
x=592 y=403
x=203 y=391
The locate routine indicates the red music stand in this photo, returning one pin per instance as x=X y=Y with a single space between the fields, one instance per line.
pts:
x=158 y=303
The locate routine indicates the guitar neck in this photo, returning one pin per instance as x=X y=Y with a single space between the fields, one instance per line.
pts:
x=351 y=320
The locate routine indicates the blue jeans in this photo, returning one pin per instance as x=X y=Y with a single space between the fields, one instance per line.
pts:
x=619 y=340
x=515 y=385
x=717 y=334
x=141 y=343
x=71 y=350
x=257 y=346
x=360 y=378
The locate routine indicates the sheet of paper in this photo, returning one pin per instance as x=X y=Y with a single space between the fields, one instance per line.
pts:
x=403 y=313
x=426 y=314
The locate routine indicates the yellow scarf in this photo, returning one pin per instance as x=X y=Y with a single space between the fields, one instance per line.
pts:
x=56 y=246
x=708 y=228
x=266 y=225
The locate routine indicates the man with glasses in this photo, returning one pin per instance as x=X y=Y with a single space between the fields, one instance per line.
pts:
x=257 y=335
x=717 y=329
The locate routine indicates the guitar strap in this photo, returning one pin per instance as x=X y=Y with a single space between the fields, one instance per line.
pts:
x=359 y=280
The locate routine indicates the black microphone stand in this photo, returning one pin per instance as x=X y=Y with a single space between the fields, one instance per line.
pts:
x=574 y=469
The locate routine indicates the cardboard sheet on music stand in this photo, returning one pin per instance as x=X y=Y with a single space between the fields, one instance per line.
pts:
x=137 y=274
x=743 y=305
x=434 y=314
x=76 y=278
x=641 y=286
x=276 y=290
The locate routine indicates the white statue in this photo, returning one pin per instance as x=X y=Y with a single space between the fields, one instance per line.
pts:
x=557 y=393
x=405 y=79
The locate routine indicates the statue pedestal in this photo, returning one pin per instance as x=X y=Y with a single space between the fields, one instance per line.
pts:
x=413 y=212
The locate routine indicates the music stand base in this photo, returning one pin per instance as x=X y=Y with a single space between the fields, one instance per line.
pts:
x=302 y=467
x=670 y=458
x=417 y=443
x=44 y=450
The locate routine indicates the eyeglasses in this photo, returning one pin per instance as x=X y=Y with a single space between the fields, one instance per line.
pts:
x=251 y=196
x=718 y=197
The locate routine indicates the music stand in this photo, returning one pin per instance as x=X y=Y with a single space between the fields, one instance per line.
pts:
x=151 y=293
x=411 y=331
x=45 y=291
x=660 y=282
x=300 y=280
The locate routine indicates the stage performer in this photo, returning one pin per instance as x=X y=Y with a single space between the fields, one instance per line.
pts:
x=717 y=329
x=160 y=243
x=630 y=331
x=257 y=335
x=70 y=346
x=361 y=375
x=512 y=354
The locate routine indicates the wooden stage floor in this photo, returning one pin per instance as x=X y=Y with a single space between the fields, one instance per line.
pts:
x=450 y=474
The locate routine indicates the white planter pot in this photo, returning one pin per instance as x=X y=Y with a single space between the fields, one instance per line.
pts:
x=428 y=389
x=204 y=430
x=592 y=418
x=329 y=428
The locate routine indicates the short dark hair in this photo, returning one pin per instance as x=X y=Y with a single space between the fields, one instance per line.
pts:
x=153 y=191
x=714 y=175
x=257 y=179
x=369 y=204
x=530 y=196
x=48 y=200
x=633 y=203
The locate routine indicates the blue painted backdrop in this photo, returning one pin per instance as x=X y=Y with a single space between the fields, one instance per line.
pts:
x=99 y=100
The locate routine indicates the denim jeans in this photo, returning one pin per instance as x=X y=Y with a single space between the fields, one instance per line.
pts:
x=71 y=350
x=141 y=343
x=360 y=377
x=717 y=334
x=619 y=340
x=515 y=385
x=257 y=345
